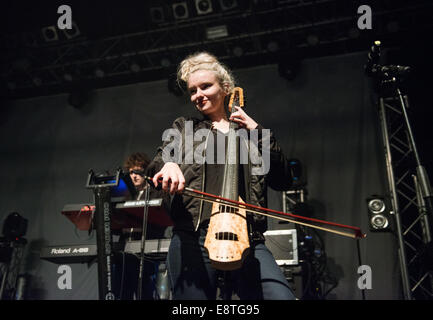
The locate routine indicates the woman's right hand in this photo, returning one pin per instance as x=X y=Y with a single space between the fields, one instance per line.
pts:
x=172 y=178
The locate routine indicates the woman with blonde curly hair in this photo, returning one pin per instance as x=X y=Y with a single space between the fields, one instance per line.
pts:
x=208 y=83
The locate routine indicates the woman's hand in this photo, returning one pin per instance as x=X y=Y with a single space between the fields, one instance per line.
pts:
x=172 y=178
x=243 y=119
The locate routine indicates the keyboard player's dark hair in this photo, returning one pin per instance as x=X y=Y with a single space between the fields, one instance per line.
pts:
x=137 y=159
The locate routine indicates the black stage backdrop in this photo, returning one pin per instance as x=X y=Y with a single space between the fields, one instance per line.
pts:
x=326 y=117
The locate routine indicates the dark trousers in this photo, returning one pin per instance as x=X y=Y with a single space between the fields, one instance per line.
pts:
x=126 y=268
x=193 y=278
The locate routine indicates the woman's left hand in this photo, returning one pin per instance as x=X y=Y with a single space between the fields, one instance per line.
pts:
x=244 y=120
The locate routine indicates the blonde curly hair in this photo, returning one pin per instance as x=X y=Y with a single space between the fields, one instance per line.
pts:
x=206 y=61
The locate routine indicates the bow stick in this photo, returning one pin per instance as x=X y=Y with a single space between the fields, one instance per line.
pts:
x=353 y=232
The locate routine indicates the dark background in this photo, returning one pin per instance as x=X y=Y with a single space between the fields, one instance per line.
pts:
x=325 y=115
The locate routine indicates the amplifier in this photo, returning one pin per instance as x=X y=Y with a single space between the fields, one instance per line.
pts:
x=284 y=246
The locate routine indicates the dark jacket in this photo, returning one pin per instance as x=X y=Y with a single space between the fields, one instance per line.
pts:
x=186 y=211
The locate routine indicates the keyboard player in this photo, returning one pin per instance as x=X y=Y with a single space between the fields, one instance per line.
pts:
x=126 y=265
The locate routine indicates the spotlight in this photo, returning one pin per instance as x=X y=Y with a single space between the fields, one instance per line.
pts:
x=180 y=10
x=14 y=227
x=50 y=33
x=165 y=62
x=157 y=14
x=378 y=214
x=135 y=67
x=313 y=40
x=203 y=6
x=273 y=46
x=297 y=172
x=67 y=77
x=238 y=51
x=37 y=81
x=72 y=33
x=78 y=97
x=228 y=4
x=99 y=73
x=288 y=68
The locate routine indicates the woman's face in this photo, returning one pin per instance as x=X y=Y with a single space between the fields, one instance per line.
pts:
x=206 y=92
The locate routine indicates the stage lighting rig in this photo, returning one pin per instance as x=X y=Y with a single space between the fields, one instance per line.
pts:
x=378 y=214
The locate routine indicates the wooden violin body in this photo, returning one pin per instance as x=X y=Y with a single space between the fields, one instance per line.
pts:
x=227 y=238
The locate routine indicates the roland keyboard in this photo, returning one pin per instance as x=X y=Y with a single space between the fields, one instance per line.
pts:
x=69 y=253
x=85 y=253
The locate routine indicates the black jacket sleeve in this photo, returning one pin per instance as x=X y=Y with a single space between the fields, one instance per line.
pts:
x=279 y=176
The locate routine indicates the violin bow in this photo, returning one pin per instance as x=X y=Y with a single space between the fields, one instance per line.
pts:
x=337 y=228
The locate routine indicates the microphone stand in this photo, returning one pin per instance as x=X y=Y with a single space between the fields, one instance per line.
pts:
x=143 y=241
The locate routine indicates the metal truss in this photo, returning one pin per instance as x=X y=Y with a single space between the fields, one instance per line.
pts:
x=9 y=269
x=408 y=207
x=255 y=34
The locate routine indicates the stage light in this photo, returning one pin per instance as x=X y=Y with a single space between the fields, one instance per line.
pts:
x=72 y=33
x=313 y=40
x=238 y=51
x=157 y=14
x=14 y=227
x=378 y=214
x=203 y=6
x=273 y=46
x=216 y=32
x=78 y=97
x=99 y=73
x=180 y=10
x=135 y=67
x=228 y=4
x=67 y=77
x=50 y=33
x=37 y=81
x=288 y=67
x=165 y=62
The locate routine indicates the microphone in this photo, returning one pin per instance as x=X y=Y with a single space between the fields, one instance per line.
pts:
x=374 y=69
x=371 y=67
x=394 y=70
